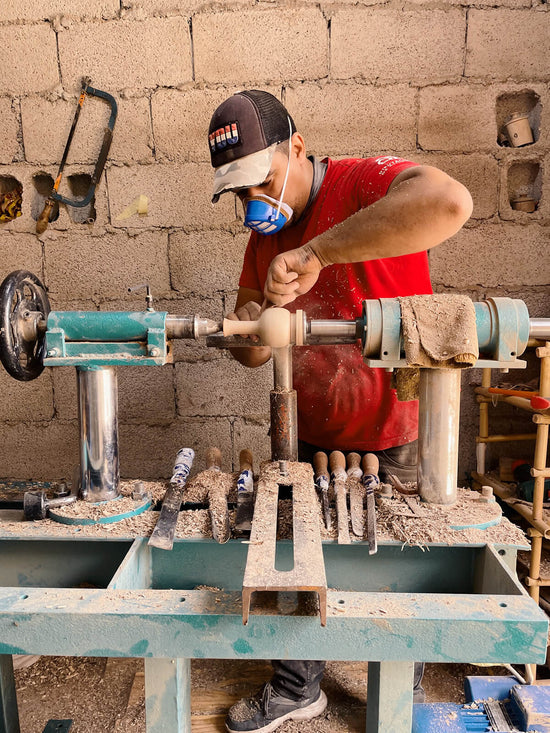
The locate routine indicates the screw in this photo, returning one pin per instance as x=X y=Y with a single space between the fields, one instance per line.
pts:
x=486 y=495
x=52 y=352
x=154 y=351
x=138 y=491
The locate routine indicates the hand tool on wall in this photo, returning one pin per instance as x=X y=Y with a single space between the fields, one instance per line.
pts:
x=337 y=462
x=370 y=465
x=217 y=497
x=356 y=493
x=320 y=468
x=163 y=534
x=245 y=492
x=86 y=91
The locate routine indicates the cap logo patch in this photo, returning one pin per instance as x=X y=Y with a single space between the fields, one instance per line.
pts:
x=224 y=136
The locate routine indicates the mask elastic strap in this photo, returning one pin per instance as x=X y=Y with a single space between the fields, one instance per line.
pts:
x=287 y=168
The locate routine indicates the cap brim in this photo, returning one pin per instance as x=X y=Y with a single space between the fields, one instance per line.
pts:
x=250 y=170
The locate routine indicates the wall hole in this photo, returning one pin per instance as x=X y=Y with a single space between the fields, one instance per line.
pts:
x=525 y=185
x=525 y=103
x=79 y=183
x=11 y=197
x=43 y=186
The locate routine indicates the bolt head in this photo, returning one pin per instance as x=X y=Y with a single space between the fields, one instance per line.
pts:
x=52 y=352
x=154 y=351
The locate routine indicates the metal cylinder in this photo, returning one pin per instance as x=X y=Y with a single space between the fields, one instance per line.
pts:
x=539 y=328
x=331 y=332
x=438 y=423
x=284 y=408
x=98 y=416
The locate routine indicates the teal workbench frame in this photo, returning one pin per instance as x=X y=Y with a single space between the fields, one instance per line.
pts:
x=435 y=604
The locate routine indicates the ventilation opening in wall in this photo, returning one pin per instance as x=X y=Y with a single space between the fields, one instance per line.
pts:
x=11 y=197
x=525 y=185
x=518 y=118
x=79 y=185
x=43 y=186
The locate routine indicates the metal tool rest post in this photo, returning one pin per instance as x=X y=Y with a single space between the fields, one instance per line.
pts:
x=451 y=604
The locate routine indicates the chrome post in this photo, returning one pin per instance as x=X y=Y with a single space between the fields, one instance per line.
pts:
x=438 y=424
x=98 y=417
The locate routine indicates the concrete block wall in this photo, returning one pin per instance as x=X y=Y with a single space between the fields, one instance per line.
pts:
x=431 y=80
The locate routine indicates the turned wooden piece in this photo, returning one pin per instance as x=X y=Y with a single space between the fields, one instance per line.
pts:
x=276 y=327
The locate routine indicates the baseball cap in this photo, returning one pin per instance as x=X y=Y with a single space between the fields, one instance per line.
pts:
x=243 y=135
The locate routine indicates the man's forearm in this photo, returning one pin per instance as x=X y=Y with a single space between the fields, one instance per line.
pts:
x=418 y=214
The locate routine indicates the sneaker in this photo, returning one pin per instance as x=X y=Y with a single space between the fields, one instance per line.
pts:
x=267 y=711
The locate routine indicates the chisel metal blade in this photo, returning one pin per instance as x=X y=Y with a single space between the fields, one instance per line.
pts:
x=163 y=534
x=356 y=493
x=371 y=482
x=320 y=467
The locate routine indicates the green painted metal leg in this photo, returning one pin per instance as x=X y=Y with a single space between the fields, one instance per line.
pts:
x=390 y=697
x=9 y=717
x=168 y=695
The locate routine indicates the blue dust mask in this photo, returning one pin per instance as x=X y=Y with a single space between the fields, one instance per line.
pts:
x=264 y=214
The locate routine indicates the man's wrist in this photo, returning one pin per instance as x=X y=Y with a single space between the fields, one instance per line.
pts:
x=312 y=254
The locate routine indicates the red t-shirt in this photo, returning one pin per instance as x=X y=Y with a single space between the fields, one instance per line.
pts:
x=342 y=403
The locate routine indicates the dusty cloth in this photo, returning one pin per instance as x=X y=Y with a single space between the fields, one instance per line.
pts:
x=439 y=331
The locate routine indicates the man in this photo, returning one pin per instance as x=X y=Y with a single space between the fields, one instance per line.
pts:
x=327 y=235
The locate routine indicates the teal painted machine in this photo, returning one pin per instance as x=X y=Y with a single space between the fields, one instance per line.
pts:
x=449 y=604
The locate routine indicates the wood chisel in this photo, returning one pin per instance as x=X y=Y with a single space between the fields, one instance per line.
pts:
x=337 y=462
x=356 y=493
x=245 y=492
x=371 y=482
x=217 y=497
x=163 y=534
x=320 y=468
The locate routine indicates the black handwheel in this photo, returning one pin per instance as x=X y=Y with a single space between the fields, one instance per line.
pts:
x=24 y=309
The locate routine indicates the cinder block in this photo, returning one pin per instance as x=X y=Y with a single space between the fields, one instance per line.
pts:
x=181 y=119
x=375 y=119
x=459 y=118
x=46 y=127
x=492 y=254
x=260 y=45
x=253 y=435
x=412 y=46
x=146 y=394
x=31 y=401
x=148 y=452
x=86 y=266
x=42 y=451
x=483 y=3
x=29 y=58
x=179 y=195
x=479 y=173
x=40 y=10
x=127 y=54
x=9 y=128
x=223 y=388
x=206 y=262
x=20 y=252
x=508 y=44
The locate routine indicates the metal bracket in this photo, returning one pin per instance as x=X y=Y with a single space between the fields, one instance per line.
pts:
x=308 y=573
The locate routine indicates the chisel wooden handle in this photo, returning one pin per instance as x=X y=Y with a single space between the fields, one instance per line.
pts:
x=371 y=464
x=320 y=464
x=213 y=459
x=337 y=463
x=44 y=218
x=353 y=461
x=245 y=460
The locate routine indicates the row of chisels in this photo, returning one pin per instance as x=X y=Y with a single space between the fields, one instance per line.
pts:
x=353 y=477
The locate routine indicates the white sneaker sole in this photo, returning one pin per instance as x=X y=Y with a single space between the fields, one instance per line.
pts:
x=307 y=713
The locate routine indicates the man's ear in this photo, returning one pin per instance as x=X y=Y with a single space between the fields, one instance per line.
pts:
x=298 y=146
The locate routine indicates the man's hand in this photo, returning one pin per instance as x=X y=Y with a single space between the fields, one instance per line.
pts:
x=291 y=274
x=255 y=355
x=250 y=311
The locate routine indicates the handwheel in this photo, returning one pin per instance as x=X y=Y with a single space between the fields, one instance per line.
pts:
x=24 y=309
